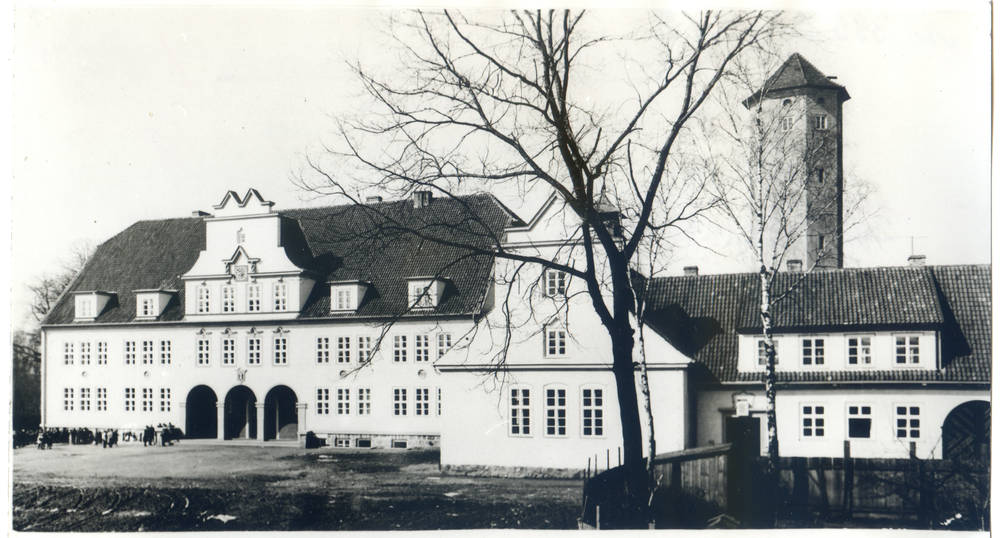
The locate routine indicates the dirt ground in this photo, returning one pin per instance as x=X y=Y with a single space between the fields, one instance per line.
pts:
x=205 y=487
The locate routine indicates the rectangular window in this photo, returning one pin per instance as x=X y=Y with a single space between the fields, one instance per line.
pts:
x=344 y=301
x=228 y=351
x=129 y=352
x=364 y=349
x=907 y=350
x=555 y=412
x=819 y=122
x=130 y=399
x=228 y=299
x=164 y=400
x=813 y=352
x=84 y=399
x=907 y=421
x=813 y=421
x=204 y=352
x=821 y=242
x=67 y=399
x=102 y=353
x=421 y=296
x=85 y=353
x=343 y=401
x=762 y=353
x=859 y=350
x=364 y=401
x=555 y=341
x=253 y=298
x=203 y=300
x=343 y=349
x=86 y=309
x=147 y=400
x=102 y=399
x=147 y=307
x=787 y=123
x=322 y=401
x=555 y=283
x=421 y=348
x=68 y=353
x=399 y=402
x=859 y=421
x=165 y=352
x=820 y=176
x=439 y=401
x=520 y=412
x=147 y=352
x=322 y=350
x=280 y=351
x=399 y=348
x=280 y=297
x=422 y=402
x=593 y=412
x=253 y=351
x=444 y=344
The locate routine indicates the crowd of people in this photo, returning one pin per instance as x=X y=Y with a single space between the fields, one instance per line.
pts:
x=166 y=434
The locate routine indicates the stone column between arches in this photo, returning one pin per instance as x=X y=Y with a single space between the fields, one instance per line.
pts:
x=220 y=408
x=260 y=420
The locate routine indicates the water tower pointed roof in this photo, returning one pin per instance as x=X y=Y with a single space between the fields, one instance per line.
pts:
x=796 y=73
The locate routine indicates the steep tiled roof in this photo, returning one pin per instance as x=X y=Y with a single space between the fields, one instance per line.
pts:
x=383 y=244
x=796 y=73
x=702 y=315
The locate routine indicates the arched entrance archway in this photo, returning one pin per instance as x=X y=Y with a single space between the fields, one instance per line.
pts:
x=201 y=419
x=966 y=434
x=280 y=415
x=241 y=414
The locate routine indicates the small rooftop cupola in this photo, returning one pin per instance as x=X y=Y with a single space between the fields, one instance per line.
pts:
x=608 y=214
x=794 y=75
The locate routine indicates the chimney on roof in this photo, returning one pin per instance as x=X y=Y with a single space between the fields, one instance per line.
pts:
x=421 y=199
x=200 y=213
x=794 y=266
x=373 y=199
x=917 y=260
x=691 y=270
x=831 y=77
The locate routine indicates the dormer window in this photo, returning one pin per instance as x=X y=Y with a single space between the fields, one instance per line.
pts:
x=86 y=308
x=346 y=296
x=149 y=304
x=146 y=308
x=345 y=299
x=89 y=304
x=426 y=293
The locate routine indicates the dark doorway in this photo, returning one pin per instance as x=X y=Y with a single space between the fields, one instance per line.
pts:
x=746 y=486
x=744 y=433
x=202 y=416
x=280 y=415
x=966 y=434
x=241 y=414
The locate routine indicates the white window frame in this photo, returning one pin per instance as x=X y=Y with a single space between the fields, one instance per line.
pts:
x=280 y=297
x=364 y=396
x=204 y=300
x=519 y=408
x=904 y=425
x=85 y=399
x=762 y=355
x=322 y=401
x=556 y=340
x=592 y=411
x=812 y=421
x=68 y=399
x=861 y=350
x=343 y=401
x=910 y=358
x=164 y=400
x=555 y=403
x=343 y=350
x=228 y=351
x=345 y=299
x=364 y=349
x=253 y=350
x=421 y=348
x=398 y=402
x=555 y=283
x=821 y=123
x=102 y=353
x=203 y=352
x=323 y=350
x=147 y=400
x=443 y=344
x=148 y=352
x=129 y=353
x=787 y=123
x=68 y=353
x=228 y=299
x=130 y=398
x=439 y=401
x=86 y=308
x=280 y=348
x=860 y=411
x=85 y=353
x=101 y=399
x=253 y=298
x=399 y=348
x=422 y=402
x=164 y=352
x=148 y=307
x=813 y=350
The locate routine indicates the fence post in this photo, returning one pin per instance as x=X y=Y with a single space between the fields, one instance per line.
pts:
x=848 y=480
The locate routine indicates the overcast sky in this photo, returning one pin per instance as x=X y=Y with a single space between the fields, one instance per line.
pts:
x=125 y=114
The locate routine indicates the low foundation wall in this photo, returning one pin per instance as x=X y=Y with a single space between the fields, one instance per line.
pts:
x=374 y=440
x=500 y=471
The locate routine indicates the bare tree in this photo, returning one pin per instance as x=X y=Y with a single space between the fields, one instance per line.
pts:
x=518 y=101
x=49 y=287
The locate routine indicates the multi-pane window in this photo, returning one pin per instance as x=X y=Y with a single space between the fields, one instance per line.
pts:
x=593 y=412
x=859 y=421
x=85 y=353
x=364 y=349
x=322 y=350
x=253 y=350
x=164 y=400
x=85 y=399
x=907 y=349
x=68 y=353
x=555 y=283
x=253 y=298
x=130 y=399
x=86 y=309
x=129 y=352
x=813 y=351
x=762 y=353
x=422 y=402
x=204 y=349
x=228 y=351
x=421 y=348
x=280 y=297
x=787 y=123
x=555 y=412
x=102 y=399
x=67 y=399
x=399 y=402
x=907 y=421
x=228 y=299
x=555 y=341
x=421 y=296
x=344 y=299
x=147 y=307
x=399 y=348
x=813 y=421
x=343 y=401
x=820 y=123
x=364 y=401
x=147 y=399
x=859 y=350
x=444 y=344
x=165 y=352
x=147 y=352
x=322 y=401
x=343 y=349
x=439 y=401
x=280 y=351
x=102 y=353
x=203 y=300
